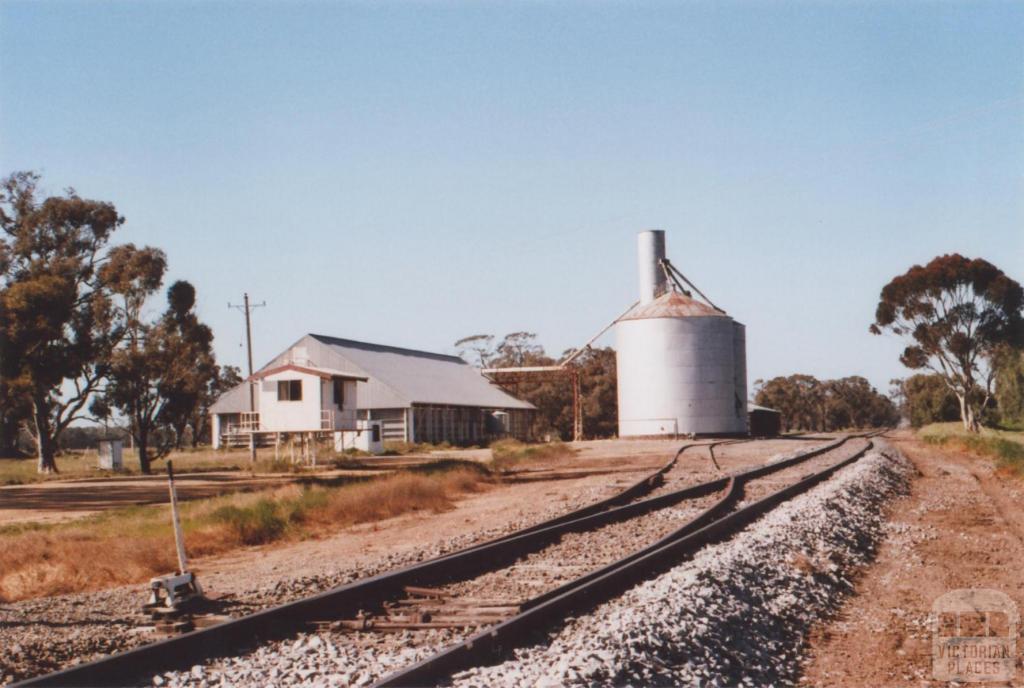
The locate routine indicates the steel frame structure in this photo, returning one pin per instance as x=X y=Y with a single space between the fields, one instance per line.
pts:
x=504 y=377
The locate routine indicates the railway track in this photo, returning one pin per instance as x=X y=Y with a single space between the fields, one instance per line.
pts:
x=543 y=572
x=714 y=524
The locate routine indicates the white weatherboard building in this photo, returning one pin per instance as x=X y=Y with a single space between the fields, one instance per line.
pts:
x=326 y=384
x=682 y=363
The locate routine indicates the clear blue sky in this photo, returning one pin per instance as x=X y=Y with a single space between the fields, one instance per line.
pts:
x=410 y=173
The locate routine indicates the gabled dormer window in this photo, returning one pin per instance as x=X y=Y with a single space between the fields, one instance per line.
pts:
x=289 y=390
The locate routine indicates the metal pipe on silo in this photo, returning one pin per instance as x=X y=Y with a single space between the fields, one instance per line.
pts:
x=650 y=246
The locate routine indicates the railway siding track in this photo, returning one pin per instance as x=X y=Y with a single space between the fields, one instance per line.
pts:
x=282 y=620
x=736 y=613
x=584 y=594
x=347 y=601
x=397 y=638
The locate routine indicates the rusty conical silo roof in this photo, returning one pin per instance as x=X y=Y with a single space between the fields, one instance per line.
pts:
x=672 y=305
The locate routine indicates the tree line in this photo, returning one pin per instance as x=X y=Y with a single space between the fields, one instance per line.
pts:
x=926 y=397
x=807 y=403
x=962 y=321
x=552 y=395
x=76 y=342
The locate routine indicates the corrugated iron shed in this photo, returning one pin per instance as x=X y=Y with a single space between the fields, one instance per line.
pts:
x=397 y=377
x=415 y=377
x=764 y=421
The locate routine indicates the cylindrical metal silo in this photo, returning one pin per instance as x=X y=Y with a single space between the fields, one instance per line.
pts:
x=739 y=362
x=681 y=366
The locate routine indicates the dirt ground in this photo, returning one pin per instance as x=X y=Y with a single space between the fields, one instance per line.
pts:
x=962 y=526
x=61 y=500
x=42 y=634
x=599 y=469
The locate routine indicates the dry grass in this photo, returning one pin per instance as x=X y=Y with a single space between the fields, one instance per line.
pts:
x=398 y=448
x=1006 y=447
x=85 y=464
x=507 y=454
x=131 y=545
x=399 y=494
x=52 y=563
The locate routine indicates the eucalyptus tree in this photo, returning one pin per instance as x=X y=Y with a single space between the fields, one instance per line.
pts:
x=925 y=398
x=57 y=325
x=1010 y=385
x=225 y=378
x=14 y=413
x=957 y=313
x=192 y=380
x=160 y=369
x=553 y=394
x=480 y=346
x=135 y=360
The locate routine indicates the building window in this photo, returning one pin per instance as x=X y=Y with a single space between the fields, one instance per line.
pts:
x=375 y=432
x=289 y=390
x=339 y=392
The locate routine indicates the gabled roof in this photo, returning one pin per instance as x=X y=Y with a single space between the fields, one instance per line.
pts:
x=235 y=400
x=383 y=348
x=389 y=376
x=324 y=373
x=419 y=377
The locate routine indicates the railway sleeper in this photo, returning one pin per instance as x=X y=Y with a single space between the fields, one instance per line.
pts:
x=582 y=595
x=476 y=602
x=386 y=623
x=242 y=633
x=452 y=609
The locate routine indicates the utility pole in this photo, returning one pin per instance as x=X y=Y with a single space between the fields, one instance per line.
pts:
x=246 y=308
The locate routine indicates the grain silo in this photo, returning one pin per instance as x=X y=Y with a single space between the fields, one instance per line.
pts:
x=681 y=362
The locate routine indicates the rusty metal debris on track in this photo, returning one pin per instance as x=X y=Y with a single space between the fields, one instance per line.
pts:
x=347 y=602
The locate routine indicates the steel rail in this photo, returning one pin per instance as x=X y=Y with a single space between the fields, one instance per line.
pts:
x=733 y=493
x=284 y=620
x=220 y=641
x=591 y=590
x=634 y=491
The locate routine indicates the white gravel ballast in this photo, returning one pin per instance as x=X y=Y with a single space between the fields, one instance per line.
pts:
x=738 y=612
